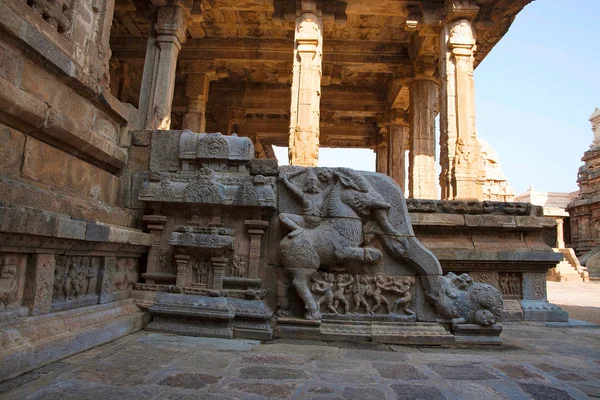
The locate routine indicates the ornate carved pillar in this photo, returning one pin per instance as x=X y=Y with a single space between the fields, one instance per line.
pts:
x=256 y=229
x=170 y=27
x=306 y=87
x=398 y=143
x=422 y=182
x=462 y=175
x=197 y=94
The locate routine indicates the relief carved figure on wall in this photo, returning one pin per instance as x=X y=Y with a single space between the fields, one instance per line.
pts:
x=75 y=277
x=202 y=267
x=238 y=266
x=9 y=281
x=126 y=274
x=510 y=284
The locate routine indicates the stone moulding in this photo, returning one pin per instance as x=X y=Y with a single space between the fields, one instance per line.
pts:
x=29 y=343
x=210 y=316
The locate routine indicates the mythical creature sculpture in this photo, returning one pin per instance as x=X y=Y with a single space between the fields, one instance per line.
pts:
x=461 y=300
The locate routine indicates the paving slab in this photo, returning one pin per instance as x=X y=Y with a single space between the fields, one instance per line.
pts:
x=535 y=361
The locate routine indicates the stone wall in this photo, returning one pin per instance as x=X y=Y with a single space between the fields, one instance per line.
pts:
x=69 y=248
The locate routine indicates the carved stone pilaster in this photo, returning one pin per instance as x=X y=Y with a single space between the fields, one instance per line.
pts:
x=155 y=224
x=306 y=88
x=218 y=266
x=534 y=286
x=182 y=261
x=107 y=274
x=256 y=230
x=38 y=283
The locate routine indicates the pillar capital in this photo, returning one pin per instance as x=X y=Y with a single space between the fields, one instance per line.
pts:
x=171 y=21
x=398 y=116
x=461 y=36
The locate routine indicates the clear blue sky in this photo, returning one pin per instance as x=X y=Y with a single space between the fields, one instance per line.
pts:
x=535 y=92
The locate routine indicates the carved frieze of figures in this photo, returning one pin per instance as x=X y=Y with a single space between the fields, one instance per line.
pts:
x=510 y=284
x=362 y=294
x=9 y=281
x=126 y=274
x=75 y=277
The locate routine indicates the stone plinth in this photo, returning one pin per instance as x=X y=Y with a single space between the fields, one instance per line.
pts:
x=497 y=243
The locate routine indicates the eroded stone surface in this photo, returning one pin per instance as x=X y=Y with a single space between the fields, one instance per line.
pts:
x=461 y=372
x=408 y=391
x=269 y=390
x=403 y=372
x=189 y=381
x=261 y=372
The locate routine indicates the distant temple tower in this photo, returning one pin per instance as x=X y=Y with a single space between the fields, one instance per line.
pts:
x=585 y=209
x=496 y=186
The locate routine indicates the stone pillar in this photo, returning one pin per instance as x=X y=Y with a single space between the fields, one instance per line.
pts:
x=39 y=282
x=170 y=28
x=256 y=230
x=155 y=224
x=182 y=261
x=197 y=94
x=462 y=175
x=218 y=266
x=306 y=87
x=382 y=153
x=398 y=143
x=422 y=183
x=560 y=235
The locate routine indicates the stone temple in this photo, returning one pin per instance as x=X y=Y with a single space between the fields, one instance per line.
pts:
x=139 y=190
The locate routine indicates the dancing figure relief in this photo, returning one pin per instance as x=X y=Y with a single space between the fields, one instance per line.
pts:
x=335 y=293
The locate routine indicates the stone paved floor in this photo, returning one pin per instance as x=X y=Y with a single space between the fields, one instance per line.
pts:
x=535 y=362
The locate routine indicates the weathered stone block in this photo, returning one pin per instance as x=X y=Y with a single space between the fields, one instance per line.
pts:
x=543 y=311
x=141 y=138
x=53 y=167
x=96 y=232
x=267 y=167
